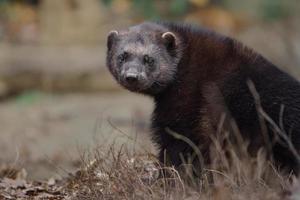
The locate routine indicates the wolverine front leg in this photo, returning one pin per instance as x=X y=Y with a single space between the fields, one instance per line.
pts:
x=179 y=151
x=184 y=158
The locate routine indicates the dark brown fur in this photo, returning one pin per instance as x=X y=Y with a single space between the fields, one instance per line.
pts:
x=211 y=79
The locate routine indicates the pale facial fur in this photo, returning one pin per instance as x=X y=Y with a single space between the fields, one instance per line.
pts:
x=143 y=58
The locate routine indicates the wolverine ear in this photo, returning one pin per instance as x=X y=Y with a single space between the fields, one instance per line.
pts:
x=111 y=37
x=169 y=40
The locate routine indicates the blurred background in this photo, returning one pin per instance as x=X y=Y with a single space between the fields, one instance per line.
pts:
x=57 y=99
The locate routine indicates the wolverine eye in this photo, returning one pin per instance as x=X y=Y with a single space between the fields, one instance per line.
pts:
x=148 y=60
x=122 y=58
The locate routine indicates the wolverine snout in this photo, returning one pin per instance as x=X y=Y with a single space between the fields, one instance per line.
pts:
x=131 y=77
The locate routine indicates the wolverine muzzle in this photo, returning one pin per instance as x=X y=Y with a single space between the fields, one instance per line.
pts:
x=131 y=77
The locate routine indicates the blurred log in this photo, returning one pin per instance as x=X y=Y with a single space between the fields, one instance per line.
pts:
x=54 y=69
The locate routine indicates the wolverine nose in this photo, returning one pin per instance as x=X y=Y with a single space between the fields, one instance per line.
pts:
x=131 y=78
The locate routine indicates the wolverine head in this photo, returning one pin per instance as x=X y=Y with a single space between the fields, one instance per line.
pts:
x=143 y=58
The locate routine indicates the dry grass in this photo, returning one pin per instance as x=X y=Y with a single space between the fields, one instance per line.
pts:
x=118 y=175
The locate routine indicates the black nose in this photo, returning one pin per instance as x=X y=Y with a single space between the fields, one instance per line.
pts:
x=131 y=78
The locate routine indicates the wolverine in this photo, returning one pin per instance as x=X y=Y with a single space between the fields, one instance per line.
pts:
x=196 y=77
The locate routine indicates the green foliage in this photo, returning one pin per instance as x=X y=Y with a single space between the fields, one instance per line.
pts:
x=179 y=7
x=146 y=8
x=3 y=1
x=274 y=9
x=29 y=97
x=106 y=2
